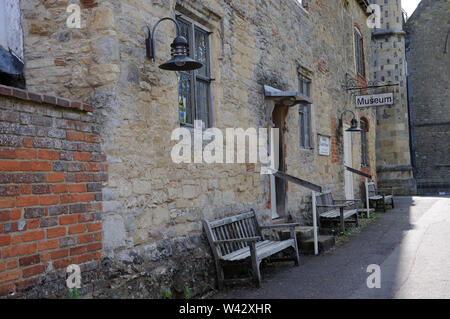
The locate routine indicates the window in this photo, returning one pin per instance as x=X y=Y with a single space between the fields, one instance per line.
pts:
x=11 y=44
x=359 y=53
x=194 y=87
x=364 y=146
x=304 y=115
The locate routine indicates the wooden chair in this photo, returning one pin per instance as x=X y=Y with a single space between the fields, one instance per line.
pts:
x=330 y=208
x=240 y=238
x=378 y=197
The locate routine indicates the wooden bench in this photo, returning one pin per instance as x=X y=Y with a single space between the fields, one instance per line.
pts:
x=378 y=198
x=240 y=238
x=329 y=208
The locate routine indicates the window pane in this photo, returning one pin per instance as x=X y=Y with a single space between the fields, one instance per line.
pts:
x=201 y=51
x=184 y=97
x=359 y=52
x=202 y=102
x=307 y=127
x=301 y=127
x=184 y=29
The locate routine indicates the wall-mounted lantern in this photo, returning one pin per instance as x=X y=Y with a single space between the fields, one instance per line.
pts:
x=354 y=123
x=180 y=60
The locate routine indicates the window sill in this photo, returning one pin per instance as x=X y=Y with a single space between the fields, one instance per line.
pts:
x=190 y=126
x=307 y=150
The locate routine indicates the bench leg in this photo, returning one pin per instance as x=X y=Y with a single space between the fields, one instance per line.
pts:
x=357 y=219
x=220 y=275
x=255 y=264
x=392 y=202
x=384 y=205
x=342 y=222
x=296 y=256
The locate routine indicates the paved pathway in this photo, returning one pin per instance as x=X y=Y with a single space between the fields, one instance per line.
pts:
x=411 y=244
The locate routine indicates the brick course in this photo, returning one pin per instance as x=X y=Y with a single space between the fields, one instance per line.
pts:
x=51 y=174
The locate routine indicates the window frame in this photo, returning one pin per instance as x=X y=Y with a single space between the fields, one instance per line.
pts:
x=304 y=111
x=194 y=76
x=359 y=52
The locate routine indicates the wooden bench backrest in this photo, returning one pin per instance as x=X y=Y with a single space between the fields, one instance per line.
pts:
x=325 y=198
x=372 y=189
x=240 y=226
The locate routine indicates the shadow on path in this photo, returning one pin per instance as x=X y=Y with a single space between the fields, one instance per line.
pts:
x=342 y=273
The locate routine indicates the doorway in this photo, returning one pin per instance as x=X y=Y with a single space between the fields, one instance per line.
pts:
x=348 y=161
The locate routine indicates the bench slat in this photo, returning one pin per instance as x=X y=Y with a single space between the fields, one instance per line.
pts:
x=263 y=249
x=331 y=214
x=243 y=253
x=274 y=248
x=336 y=213
x=231 y=219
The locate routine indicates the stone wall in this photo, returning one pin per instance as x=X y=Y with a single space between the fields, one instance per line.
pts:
x=429 y=61
x=152 y=208
x=51 y=175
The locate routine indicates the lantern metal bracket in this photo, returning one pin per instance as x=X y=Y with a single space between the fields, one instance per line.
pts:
x=150 y=41
x=354 y=126
x=351 y=84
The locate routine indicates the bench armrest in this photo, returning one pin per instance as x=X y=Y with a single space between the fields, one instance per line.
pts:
x=290 y=225
x=238 y=240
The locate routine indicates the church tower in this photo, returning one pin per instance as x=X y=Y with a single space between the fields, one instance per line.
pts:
x=394 y=166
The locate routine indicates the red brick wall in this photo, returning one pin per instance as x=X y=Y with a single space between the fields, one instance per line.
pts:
x=51 y=174
x=334 y=148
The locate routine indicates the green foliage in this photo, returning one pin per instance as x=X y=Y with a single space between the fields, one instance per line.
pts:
x=186 y=292
x=166 y=294
x=205 y=272
x=72 y=293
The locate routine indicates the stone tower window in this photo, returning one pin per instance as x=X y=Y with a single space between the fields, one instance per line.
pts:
x=194 y=87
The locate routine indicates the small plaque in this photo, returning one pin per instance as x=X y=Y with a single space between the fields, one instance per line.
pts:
x=324 y=145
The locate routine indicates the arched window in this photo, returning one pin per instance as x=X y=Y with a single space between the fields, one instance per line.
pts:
x=364 y=143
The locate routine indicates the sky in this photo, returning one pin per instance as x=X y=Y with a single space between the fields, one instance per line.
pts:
x=410 y=6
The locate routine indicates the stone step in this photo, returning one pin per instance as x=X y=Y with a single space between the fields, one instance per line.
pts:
x=325 y=243
x=303 y=233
